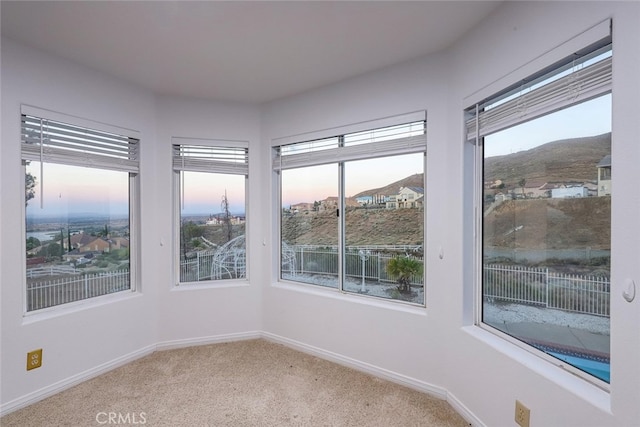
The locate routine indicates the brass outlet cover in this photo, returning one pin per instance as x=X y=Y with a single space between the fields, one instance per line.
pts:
x=522 y=414
x=34 y=359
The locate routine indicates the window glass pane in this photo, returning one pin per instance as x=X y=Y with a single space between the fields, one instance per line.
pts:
x=77 y=242
x=212 y=226
x=547 y=234
x=309 y=233
x=384 y=227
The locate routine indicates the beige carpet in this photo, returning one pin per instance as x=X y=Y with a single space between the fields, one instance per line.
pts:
x=245 y=383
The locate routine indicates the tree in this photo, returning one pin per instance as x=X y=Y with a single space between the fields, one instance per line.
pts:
x=32 y=242
x=29 y=187
x=521 y=184
x=403 y=268
x=226 y=216
x=189 y=231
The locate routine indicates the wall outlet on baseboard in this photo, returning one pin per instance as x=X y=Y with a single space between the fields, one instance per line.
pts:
x=522 y=414
x=34 y=359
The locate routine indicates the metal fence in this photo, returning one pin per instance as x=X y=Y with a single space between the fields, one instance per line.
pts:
x=75 y=288
x=51 y=270
x=544 y=288
x=197 y=268
x=359 y=262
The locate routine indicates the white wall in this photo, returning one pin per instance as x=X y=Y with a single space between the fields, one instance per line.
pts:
x=439 y=348
x=203 y=313
x=101 y=333
x=435 y=349
x=88 y=336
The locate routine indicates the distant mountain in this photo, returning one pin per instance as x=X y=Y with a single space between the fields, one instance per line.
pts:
x=564 y=160
x=415 y=180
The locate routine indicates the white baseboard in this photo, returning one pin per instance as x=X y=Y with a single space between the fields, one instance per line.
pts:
x=214 y=339
x=464 y=412
x=59 y=386
x=376 y=371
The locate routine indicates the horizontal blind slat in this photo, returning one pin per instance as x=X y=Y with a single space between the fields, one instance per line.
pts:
x=582 y=85
x=217 y=159
x=62 y=143
x=407 y=145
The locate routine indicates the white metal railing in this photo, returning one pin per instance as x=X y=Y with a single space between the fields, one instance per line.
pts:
x=545 y=288
x=51 y=270
x=197 y=268
x=324 y=260
x=67 y=289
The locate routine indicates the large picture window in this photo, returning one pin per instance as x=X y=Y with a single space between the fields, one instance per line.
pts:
x=544 y=184
x=79 y=238
x=211 y=180
x=352 y=211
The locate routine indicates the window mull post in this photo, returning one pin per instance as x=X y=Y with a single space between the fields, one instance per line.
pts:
x=41 y=168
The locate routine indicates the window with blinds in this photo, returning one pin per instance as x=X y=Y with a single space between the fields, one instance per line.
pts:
x=80 y=186
x=211 y=179
x=352 y=210
x=543 y=157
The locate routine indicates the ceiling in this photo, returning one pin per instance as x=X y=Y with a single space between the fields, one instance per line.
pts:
x=249 y=52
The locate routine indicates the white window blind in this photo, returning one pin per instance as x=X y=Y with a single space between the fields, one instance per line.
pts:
x=218 y=159
x=51 y=141
x=393 y=140
x=579 y=80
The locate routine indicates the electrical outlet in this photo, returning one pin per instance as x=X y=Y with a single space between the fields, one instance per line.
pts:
x=522 y=414
x=34 y=359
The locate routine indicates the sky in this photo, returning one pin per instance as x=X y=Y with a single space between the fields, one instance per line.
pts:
x=586 y=119
x=73 y=190
x=316 y=183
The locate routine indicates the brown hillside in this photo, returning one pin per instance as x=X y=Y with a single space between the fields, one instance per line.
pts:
x=558 y=161
x=415 y=180
x=363 y=227
x=550 y=224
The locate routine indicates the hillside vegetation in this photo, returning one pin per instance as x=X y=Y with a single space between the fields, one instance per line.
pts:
x=558 y=161
x=550 y=224
x=363 y=227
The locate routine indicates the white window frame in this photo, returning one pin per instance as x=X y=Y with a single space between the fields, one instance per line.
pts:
x=588 y=44
x=66 y=151
x=209 y=159
x=320 y=155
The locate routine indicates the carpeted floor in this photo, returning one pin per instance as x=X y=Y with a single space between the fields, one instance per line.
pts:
x=243 y=383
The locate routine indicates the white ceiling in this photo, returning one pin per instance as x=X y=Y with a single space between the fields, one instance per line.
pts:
x=251 y=52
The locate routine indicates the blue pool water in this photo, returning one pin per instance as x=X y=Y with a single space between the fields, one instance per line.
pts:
x=597 y=369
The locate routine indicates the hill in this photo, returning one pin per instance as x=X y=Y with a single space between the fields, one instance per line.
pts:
x=558 y=161
x=415 y=180
x=550 y=224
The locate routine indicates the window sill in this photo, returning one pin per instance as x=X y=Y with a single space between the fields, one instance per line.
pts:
x=552 y=371
x=210 y=284
x=77 y=306
x=334 y=293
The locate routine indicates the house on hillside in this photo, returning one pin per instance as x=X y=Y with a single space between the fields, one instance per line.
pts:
x=407 y=197
x=302 y=207
x=80 y=239
x=536 y=190
x=98 y=244
x=604 y=176
x=330 y=203
x=569 y=192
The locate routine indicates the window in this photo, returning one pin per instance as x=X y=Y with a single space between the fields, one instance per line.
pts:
x=340 y=225
x=79 y=187
x=210 y=179
x=544 y=153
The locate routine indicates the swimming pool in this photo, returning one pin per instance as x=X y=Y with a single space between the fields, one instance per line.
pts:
x=600 y=370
